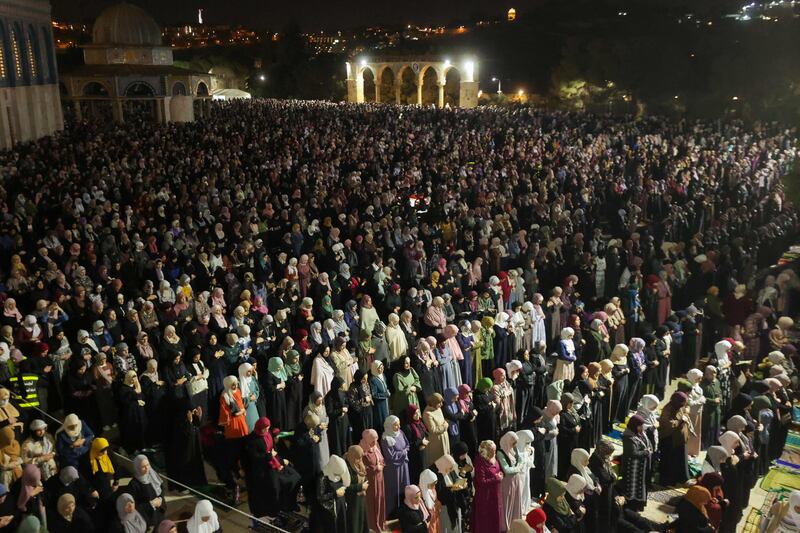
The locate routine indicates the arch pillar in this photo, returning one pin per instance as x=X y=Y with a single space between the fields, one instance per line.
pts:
x=398 y=89
x=440 y=100
x=468 y=94
x=78 y=112
x=377 y=93
x=118 y=111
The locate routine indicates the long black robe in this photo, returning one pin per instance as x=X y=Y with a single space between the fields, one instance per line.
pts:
x=605 y=506
x=330 y=511
x=338 y=425
x=487 y=416
x=619 y=396
x=567 y=441
x=132 y=419
x=411 y=520
x=142 y=494
x=294 y=401
x=276 y=402
x=185 y=455
x=269 y=491
x=503 y=347
x=524 y=385
x=155 y=409
x=356 y=504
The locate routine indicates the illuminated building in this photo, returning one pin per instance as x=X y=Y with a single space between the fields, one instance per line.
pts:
x=30 y=106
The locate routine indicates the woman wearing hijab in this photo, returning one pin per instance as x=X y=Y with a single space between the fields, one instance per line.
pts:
x=452 y=413
x=569 y=429
x=129 y=520
x=39 y=449
x=503 y=392
x=145 y=487
x=360 y=402
x=674 y=430
x=696 y=401
x=716 y=505
x=380 y=393
x=487 y=508
x=712 y=409
x=763 y=415
x=275 y=389
x=511 y=465
x=272 y=485
x=503 y=340
x=132 y=415
x=104 y=473
x=451 y=492
x=69 y=518
x=565 y=364
x=691 y=510
x=395 y=448
x=204 y=519
x=437 y=426
x=316 y=406
x=356 y=491
x=73 y=440
x=336 y=406
x=468 y=427
x=550 y=421
x=620 y=392
x=412 y=517
x=406 y=388
x=294 y=389
x=557 y=509
x=430 y=501
x=417 y=435
x=322 y=370
x=637 y=454
x=488 y=410
x=576 y=499
x=374 y=463
x=605 y=501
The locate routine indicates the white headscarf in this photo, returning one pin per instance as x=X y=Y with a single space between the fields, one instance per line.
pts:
x=580 y=460
x=244 y=379
x=201 y=510
x=425 y=479
x=389 y=435
x=575 y=486
x=501 y=320
x=336 y=470
x=150 y=478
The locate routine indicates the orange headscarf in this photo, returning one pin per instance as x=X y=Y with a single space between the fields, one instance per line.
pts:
x=699 y=497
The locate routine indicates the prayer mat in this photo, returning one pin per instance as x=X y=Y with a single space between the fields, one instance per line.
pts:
x=793 y=439
x=779 y=478
x=666 y=495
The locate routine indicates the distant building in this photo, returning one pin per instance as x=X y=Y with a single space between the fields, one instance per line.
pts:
x=128 y=71
x=511 y=15
x=29 y=98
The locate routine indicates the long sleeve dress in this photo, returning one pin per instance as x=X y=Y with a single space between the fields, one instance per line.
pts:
x=339 y=426
x=380 y=400
x=403 y=396
x=439 y=440
x=487 y=506
x=395 y=475
x=550 y=445
x=376 y=498
x=511 y=488
x=636 y=455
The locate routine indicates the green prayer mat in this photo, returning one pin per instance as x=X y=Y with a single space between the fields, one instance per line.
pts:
x=778 y=478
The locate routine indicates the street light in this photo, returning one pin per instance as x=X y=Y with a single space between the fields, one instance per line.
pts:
x=735 y=98
x=262 y=78
x=499 y=85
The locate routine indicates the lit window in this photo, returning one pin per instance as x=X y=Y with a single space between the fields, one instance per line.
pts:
x=31 y=57
x=16 y=58
x=2 y=62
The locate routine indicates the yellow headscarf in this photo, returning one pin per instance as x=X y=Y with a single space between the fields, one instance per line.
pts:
x=100 y=462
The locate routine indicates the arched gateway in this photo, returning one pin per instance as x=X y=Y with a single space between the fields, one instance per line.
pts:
x=404 y=80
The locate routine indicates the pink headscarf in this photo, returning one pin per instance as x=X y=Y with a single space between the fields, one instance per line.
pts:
x=497 y=374
x=552 y=410
x=410 y=492
x=463 y=397
x=31 y=478
x=450 y=332
x=369 y=439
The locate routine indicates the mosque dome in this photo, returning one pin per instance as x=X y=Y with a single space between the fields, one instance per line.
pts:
x=126 y=24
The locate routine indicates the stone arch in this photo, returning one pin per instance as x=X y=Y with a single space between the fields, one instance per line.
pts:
x=201 y=89
x=140 y=89
x=179 y=89
x=452 y=86
x=408 y=85
x=387 y=79
x=429 y=85
x=370 y=82
x=94 y=88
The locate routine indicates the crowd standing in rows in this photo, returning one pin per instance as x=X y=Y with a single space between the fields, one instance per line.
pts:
x=386 y=313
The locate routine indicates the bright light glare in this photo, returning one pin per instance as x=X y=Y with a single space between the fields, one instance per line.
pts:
x=262 y=77
x=363 y=62
x=520 y=92
x=735 y=98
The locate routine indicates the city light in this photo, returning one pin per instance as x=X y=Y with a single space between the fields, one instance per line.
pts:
x=675 y=97
x=363 y=62
x=469 y=71
x=735 y=98
x=520 y=92
x=262 y=78
x=446 y=63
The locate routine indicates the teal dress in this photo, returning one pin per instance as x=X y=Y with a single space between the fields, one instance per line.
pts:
x=251 y=406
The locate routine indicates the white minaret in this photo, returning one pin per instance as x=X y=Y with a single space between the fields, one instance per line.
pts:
x=199 y=16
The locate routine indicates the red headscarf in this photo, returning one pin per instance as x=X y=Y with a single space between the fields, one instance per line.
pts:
x=536 y=520
x=417 y=426
x=262 y=428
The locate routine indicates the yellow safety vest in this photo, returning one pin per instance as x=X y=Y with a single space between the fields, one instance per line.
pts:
x=26 y=394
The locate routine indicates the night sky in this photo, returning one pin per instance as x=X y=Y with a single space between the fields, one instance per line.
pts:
x=310 y=14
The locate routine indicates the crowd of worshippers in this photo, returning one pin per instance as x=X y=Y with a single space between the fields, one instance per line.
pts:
x=385 y=314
